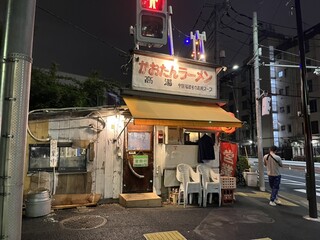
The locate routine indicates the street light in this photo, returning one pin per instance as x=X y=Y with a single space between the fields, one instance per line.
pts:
x=235 y=67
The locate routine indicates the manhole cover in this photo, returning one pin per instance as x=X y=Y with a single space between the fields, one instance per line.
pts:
x=85 y=222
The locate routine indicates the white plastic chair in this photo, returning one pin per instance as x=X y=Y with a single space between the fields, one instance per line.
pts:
x=210 y=182
x=189 y=184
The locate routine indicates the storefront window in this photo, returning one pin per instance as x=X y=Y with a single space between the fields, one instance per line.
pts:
x=191 y=138
x=69 y=159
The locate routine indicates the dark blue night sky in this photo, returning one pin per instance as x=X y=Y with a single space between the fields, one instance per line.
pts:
x=103 y=38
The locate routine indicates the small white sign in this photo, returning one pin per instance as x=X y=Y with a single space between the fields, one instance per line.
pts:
x=53 y=153
x=166 y=75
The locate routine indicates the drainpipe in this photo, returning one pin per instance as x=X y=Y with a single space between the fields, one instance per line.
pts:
x=16 y=65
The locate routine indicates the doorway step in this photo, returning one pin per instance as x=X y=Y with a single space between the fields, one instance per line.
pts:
x=131 y=200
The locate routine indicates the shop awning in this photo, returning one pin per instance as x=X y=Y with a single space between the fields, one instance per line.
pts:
x=188 y=115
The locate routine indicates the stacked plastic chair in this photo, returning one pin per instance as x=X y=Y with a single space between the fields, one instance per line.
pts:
x=210 y=182
x=189 y=184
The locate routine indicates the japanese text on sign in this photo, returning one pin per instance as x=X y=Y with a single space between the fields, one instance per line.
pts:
x=228 y=158
x=168 y=76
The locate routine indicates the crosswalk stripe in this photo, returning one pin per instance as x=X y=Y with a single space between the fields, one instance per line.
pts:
x=305 y=191
x=285 y=181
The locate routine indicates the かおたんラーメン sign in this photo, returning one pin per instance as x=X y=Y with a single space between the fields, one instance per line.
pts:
x=157 y=73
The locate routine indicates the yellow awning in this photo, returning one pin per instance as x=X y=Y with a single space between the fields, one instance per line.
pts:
x=188 y=115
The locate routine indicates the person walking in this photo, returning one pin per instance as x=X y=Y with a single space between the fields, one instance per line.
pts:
x=273 y=163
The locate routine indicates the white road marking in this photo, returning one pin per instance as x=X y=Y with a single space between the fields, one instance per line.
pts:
x=304 y=191
x=292 y=176
x=286 y=181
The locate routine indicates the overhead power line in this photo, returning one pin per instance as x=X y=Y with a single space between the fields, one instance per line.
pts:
x=239 y=49
x=82 y=30
x=289 y=53
x=234 y=29
x=179 y=31
x=240 y=23
x=198 y=18
x=250 y=18
x=209 y=19
x=233 y=38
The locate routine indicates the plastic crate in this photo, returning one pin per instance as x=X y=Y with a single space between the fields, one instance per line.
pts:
x=174 y=198
x=228 y=183
x=227 y=196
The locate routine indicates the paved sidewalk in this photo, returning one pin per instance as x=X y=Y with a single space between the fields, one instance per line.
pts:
x=249 y=217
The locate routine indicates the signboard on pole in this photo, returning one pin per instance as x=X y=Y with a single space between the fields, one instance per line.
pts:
x=162 y=73
x=53 y=153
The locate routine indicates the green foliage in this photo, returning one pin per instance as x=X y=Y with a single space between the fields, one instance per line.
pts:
x=50 y=90
x=243 y=164
x=93 y=89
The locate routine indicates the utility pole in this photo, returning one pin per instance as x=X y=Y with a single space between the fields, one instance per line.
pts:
x=216 y=43
x=310 y=174
x=258 y=103
x=16 y=66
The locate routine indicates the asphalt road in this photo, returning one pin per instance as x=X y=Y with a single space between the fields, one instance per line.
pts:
x=294 y=182
x=293 y=185
x=249 y=217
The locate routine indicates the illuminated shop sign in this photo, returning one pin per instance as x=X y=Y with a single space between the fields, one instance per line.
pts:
x=165 y=75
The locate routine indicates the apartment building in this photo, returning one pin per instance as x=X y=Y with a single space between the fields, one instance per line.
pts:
x=287 y=93
x=280 y=81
